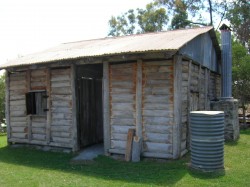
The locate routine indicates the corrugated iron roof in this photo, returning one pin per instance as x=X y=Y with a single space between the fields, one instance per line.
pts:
x=150 y=42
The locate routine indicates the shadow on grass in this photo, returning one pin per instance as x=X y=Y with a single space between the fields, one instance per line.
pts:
x=206 y=175
x=245 y=131
x=145 y=172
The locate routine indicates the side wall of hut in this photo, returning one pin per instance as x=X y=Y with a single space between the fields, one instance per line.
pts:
x=39 y=107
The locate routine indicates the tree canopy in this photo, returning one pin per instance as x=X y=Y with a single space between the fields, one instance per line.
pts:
x=162 y=14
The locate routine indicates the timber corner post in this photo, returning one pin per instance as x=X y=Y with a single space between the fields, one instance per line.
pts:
x=7 y=105
x=177 y=106
x=74 y=109
x=106 y=108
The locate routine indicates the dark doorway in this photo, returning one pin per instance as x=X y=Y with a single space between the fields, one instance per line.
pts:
x=89 y=94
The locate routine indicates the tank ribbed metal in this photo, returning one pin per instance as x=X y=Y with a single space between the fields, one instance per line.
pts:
x=207 y=140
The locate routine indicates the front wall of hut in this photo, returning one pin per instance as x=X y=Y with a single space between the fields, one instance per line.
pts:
x=52 y=125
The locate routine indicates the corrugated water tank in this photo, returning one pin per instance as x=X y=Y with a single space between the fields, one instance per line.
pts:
x=207 y=140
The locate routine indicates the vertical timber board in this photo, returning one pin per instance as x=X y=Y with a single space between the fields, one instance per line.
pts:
x=189 y=102
x=7 y=103
x=177 y=107
x=48 y=124
x=206 y=89
x=106 y=108
x=129 y=146
x=199 y=88
x=139 y=99
x=29 y=121
x=76 y=147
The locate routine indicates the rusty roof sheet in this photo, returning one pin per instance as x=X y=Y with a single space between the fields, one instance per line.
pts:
x=150 y=42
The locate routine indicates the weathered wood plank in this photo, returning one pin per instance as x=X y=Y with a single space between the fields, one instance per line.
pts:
x=122 y=114
x=129 y=144
x=55 y=97
x=158 y=113
x=61 y=140
x=18 y=124
x=158 y=90
x=177 y=106
x=61 y=134
x=156 y=69
x=157 y=147
x=19 y=129
x=63 y=116
x=19 y=135
x=37 y=130
x=18 y=119
x=17 y=113
x=62 y=110
x=60 y=77
x=158 y=120
x=123 y=106
x=61 y=71
x=158 y=99
x=158 y=63
x=158 y=138
x=106 y=108
x=18 y=103
x=158 y=106
x=117 y=144
x=38 y=72
x=61 y=103
x=58 y=122
x=164 y=129
x=136 y=150
x=60 y=128
x=17 y=97
x=119 y=129
x=118 y=136
x=157 y=155
x=122 y=121
x=61 y=91
x=60 y=84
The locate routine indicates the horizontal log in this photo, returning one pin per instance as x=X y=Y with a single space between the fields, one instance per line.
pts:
x=63 y=145
x=119 y=77
x=61 y=91
x=38 y=124
x=17 y=140
x=157 y=137
x=36 y=118
x=61 y=104
x=122 y=121
x=63 y=116
x=60 y=128
x=38 y=142
x=61 y=140
x=58 y=122
x=18 y=74
x=156 y=69
x=157 y=113
x=157 y=106
x=35 y=85
x=117 y=151
x=122 y=114
x=61 y=134
x=122 y=84
x=64 y=71
x=157 y=83
x=38 y=72
x=17 y=113
x=18 y=102
x=183 y=145
x=60 y=84
x=14 y=107
x=19 y=135
x=158 y=129
x=117 y=144
x=39 y=136
x=120 y=129
x=39 y=79
x=122 y=66
x=60 y=77
x=18 y=124
x=119 y=136
x=22 y=129
x=158 y=91
x=55 y=97
x=158 y=63
x=17 y=87
x=122 y=98
x=17 y=92
x=37 y=130
x=157 y=120
x=122 y=90
x=158 y=99
x=157 y=147
x=157 y=155
x=17 y=97
x=62 y=110
x=158 y=76
x=18 y=119
x=123 y=106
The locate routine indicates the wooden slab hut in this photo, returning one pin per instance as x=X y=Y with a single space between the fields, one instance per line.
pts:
x=87 y=92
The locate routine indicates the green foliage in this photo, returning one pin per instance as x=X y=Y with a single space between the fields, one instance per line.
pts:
x=155 y=16
x=240 y=72
x=2 y=98
x=150 y=19
x=239 y=17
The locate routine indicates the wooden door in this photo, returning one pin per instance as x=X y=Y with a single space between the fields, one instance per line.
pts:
x=90 y=123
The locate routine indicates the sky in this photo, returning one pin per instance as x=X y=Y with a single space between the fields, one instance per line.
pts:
x=28 y=26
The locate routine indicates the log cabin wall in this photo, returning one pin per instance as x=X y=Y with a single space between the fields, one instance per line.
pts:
x=199 y=86
x=53 y=125
x=141 y=97
x=157 y=108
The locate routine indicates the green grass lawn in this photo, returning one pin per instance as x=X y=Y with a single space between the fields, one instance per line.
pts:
x=29 y=167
